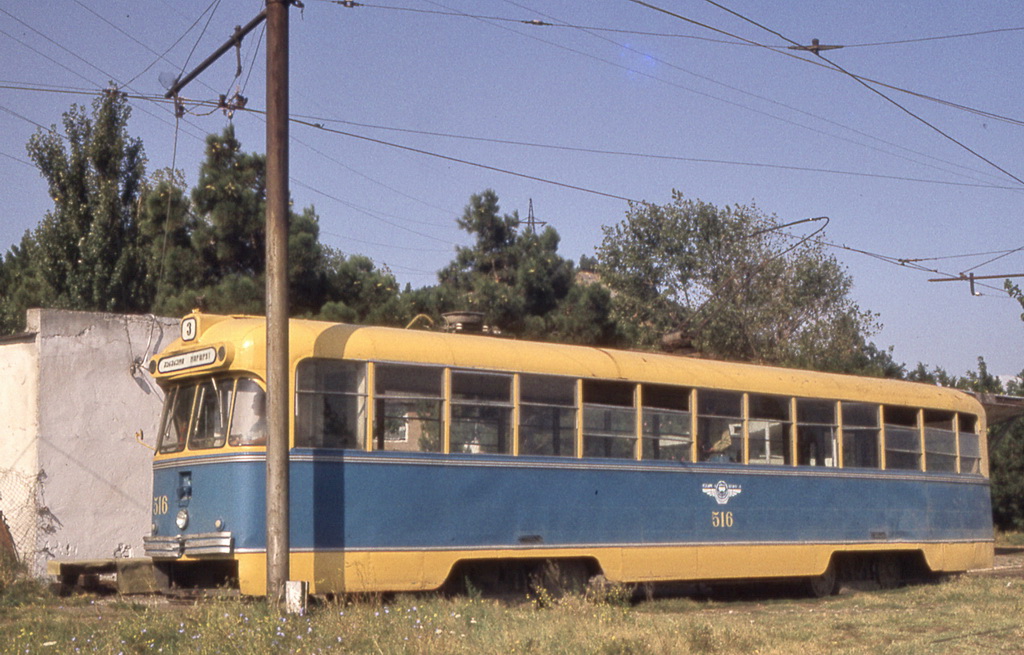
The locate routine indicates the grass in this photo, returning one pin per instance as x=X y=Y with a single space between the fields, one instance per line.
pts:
x=963 y=616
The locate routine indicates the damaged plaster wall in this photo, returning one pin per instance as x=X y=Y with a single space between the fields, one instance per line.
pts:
x=93 y=396
x=19 y=428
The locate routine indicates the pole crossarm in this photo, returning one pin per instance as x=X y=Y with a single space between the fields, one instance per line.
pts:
x=236 y=38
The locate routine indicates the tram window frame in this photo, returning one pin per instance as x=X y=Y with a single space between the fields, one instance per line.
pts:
x=969 y=443
x=339 y=388
x=667 y=431
x=481 y=403
x=817 y=432
x=416 y=390
x=764 y=413
x=206 y=432
x=902 y=437
x=547 y=415
x=171 y=418
x=861 y=435
x=609 y=419
x=939 y=441
x=719 y=433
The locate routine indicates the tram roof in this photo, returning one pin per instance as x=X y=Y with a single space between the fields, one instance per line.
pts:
x=310 y=338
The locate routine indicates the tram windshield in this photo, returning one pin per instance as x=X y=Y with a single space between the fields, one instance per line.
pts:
x=207 y=413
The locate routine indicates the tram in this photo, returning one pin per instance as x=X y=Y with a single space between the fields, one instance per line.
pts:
x=419 y=458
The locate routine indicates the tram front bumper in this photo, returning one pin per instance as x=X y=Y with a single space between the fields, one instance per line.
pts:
x=190 y=545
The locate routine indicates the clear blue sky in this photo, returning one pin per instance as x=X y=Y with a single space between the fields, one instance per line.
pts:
x=724 y=122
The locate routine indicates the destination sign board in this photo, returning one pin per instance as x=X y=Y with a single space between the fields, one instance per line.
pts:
x=185 y=361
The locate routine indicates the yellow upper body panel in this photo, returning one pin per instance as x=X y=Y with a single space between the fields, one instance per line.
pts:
x=244 y=341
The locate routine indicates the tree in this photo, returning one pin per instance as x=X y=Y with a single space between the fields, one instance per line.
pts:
x=518 y=280
x=729 y=284
x=84 y=254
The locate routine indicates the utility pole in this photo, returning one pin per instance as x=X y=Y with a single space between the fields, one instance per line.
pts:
x=278 y=542
x=276 y=15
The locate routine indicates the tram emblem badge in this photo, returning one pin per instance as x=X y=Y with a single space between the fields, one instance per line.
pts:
x=721 y=491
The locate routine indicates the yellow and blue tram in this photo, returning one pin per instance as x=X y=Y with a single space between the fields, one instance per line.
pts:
x=418 y=456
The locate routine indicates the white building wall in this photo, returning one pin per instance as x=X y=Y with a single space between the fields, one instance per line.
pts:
x=93 y=395
x=19 y=429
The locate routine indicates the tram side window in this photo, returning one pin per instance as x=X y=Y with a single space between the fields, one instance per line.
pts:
x=720 y=426
x=970 y=444
x=249 y=416
x=902 y=438
x=609 y=419
x=177 y=411
x=547 y=416
x=408 y=408
x=213 y=406
x=667 y=423
x=481 y=413
x=330 y=404
x=768 y=429
x=939 y=441
x=860 y=435
x=816 y=432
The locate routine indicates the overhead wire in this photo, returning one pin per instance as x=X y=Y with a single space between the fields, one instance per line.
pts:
x=67 y=68
x=860 y=81
x=623 y=153
x=765 y=99
x=935 y=38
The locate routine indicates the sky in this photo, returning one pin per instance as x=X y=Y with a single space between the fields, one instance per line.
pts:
x=405 y=108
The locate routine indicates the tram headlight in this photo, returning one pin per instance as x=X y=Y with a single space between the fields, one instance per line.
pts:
x=218 y=525
x=181 y=520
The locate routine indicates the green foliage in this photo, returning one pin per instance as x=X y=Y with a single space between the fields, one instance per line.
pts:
x=518 y=280
x=1006 y=457
x=1015 y=292
x=116 y=241
x=85 y=252
x=727 y=283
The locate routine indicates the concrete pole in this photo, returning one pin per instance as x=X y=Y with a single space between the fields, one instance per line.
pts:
x=277 y=299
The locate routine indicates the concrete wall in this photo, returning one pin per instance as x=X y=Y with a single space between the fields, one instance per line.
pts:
x=92 y=395
x=19 y=426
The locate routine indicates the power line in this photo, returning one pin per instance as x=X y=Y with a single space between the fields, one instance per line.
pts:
x=465 y=162
x=730 y=102
x=935 y=38
x=763 y=98
x=622 y=153
x=865 y=85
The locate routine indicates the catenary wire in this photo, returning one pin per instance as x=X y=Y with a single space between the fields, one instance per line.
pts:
x=769 y=100
x=860 y=81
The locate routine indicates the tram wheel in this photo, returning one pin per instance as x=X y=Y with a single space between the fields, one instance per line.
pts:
x=823 y=585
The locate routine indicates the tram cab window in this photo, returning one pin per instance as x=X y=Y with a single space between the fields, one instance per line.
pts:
x=860 y=435
x=609 y=419
x=768 y=430
x=408 y=408
x=249 y=415
x=720 y=426
x=330 y=404
x=667 y=423
x=212 y=408
x=816 y=432
x=176 y=415
x=547 y=415
x=970 y=444
x=939 y=441
x=481 y=413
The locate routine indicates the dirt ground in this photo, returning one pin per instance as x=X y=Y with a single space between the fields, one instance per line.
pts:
x=1009 y=562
